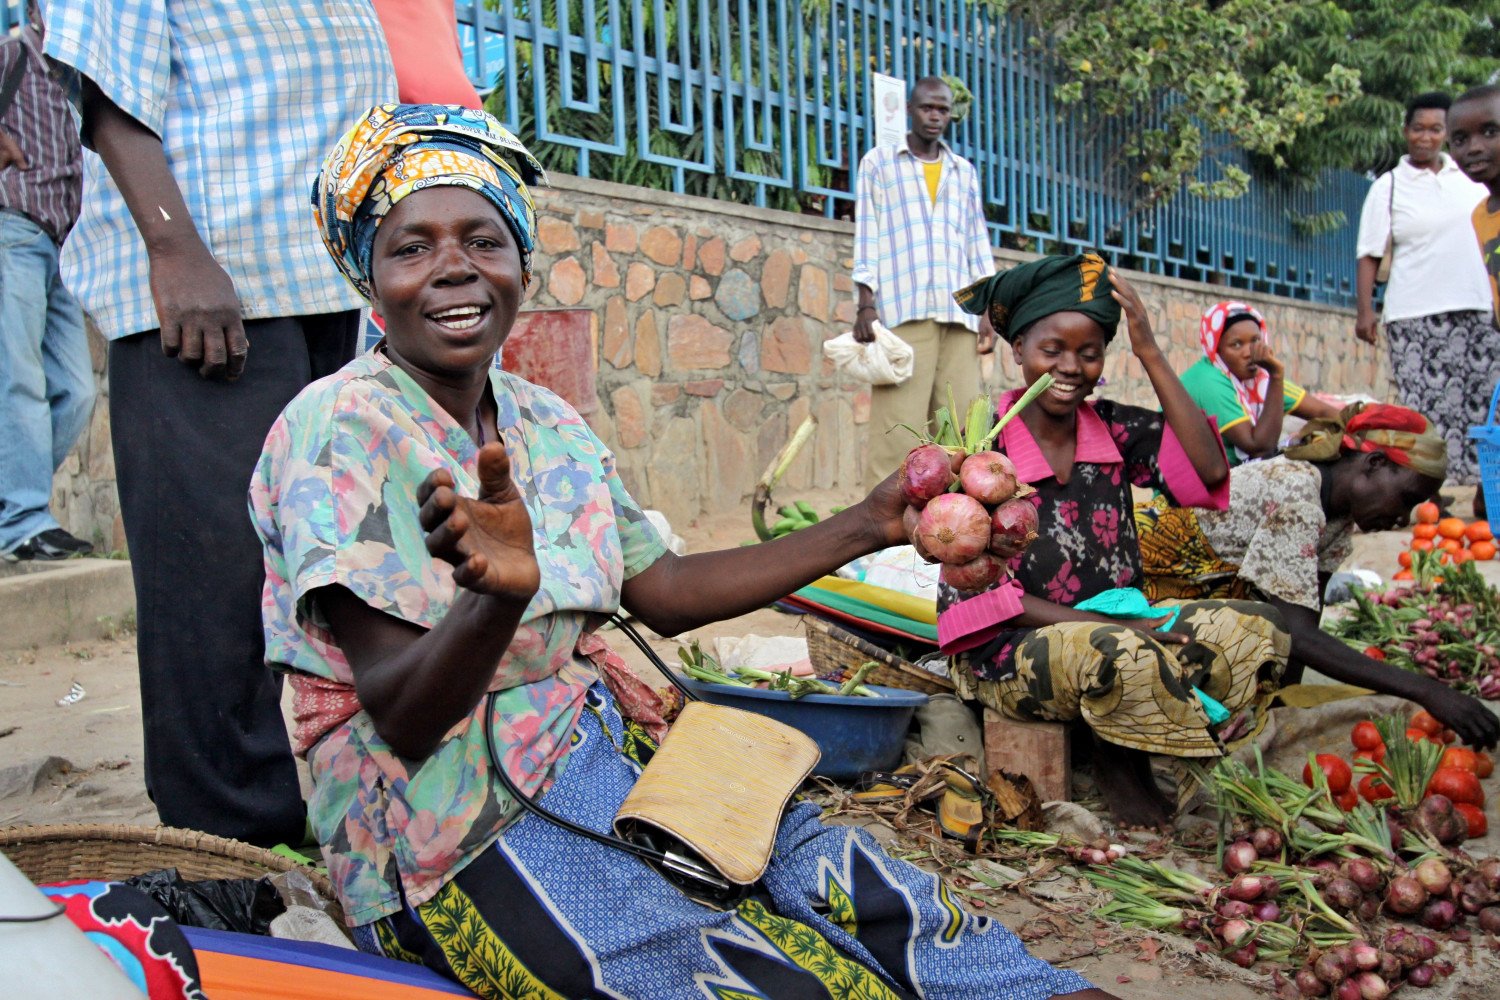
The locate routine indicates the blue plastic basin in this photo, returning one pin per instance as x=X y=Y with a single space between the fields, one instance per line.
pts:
x=856 y=734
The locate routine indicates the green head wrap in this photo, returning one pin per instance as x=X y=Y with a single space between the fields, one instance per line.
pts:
x=1017 y=298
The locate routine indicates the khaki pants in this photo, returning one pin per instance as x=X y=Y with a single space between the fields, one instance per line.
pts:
x=944 y=355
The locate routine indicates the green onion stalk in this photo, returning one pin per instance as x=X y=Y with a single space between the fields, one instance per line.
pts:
x=700 y=666
x=1408 y=766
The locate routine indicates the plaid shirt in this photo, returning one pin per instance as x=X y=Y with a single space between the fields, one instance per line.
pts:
x=247 y=95
x=914 y=253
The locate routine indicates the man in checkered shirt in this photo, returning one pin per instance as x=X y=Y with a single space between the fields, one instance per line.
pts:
x=197 y=257
x=919 y=236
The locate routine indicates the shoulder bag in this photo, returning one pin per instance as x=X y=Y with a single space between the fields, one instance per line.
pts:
x=1383 y=271
x=696 y=814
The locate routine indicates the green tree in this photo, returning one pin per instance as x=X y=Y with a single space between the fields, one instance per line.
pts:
x=1301 y=85
x=1400 y=48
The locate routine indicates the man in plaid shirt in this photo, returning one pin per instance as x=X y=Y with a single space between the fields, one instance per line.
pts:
x=919 y=236
x=197 y=256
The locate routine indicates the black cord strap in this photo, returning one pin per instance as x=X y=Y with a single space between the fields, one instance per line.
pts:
x=34 y=918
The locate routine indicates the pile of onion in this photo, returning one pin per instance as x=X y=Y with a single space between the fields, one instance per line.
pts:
x=966 y=512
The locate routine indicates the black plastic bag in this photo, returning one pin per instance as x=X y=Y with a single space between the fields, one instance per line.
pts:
x=246 y=905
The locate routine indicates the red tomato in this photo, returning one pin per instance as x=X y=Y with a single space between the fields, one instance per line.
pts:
x=1333 y=767
x=1373 y=756
x=1347 y=799
x=1372 y=789
x=1460 y=786
x=1365 y=736
x=1375 y=652
x=1485 y=765
x=1478 y=824
x=1417 y=736
x=1429 y=513
x=1425 y=721
x=1448 y=736
x=1462 y=758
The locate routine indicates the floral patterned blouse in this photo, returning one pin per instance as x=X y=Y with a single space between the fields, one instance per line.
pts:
x=1276 y=530
x=333 y=500
x=1086 y=542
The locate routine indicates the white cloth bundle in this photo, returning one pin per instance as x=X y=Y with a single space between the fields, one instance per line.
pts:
x=887 y=360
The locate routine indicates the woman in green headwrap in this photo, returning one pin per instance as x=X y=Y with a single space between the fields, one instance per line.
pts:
x=1069 y=637
x=1289 y=526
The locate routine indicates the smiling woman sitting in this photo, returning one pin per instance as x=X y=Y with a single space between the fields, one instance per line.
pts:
x=1082 y=642
x=442 y=540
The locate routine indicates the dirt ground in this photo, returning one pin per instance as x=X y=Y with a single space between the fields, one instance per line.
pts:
x=79 y=760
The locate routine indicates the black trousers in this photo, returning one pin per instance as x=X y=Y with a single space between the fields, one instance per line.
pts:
x=217 y=756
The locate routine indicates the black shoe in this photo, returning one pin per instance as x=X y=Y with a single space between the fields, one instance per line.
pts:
x=54 y=543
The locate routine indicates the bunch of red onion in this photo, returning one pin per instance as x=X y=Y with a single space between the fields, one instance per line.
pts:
x=973 y=520
x=1361 y=971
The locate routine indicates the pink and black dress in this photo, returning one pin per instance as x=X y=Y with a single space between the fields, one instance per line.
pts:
x=1130 y=688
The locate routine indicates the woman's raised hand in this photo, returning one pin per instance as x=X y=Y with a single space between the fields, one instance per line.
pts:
x=1142 y=340
x=487 y=540
x=1261 y=356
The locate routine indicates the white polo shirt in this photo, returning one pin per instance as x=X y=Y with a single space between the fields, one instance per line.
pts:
x=1436 y=267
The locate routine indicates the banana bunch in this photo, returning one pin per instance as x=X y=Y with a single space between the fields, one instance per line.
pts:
x=795 y=516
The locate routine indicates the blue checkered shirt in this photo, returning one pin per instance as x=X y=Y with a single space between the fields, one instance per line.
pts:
x=248 y=96
x=914 y=253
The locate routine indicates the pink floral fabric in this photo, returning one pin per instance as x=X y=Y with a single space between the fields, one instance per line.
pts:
x=333 y=499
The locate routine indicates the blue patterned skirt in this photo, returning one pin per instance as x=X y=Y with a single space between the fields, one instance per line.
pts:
x=546 y=913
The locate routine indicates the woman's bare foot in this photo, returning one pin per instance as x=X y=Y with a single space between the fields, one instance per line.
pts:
x=1129 y=789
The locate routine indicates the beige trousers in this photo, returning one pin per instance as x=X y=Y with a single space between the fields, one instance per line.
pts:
x=944 y=355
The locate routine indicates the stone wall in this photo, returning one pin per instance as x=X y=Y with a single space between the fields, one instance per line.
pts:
x=711 y=318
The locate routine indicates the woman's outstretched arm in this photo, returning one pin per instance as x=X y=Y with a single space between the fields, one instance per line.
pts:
x=677 y=593
x=1313 y=647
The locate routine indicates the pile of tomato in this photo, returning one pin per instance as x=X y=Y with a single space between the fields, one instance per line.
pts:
x=1457 y=776
x=1455 y=540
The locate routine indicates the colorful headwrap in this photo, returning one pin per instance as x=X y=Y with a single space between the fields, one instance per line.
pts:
x=400 y=148
x=1405 y=436
x=1211 y=329
x=1017 y=298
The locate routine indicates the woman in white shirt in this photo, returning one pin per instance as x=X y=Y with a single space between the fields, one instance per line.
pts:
x=1438 y=314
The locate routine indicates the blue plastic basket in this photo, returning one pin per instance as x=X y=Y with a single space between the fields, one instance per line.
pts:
x=1487 y=444
x=855 y=734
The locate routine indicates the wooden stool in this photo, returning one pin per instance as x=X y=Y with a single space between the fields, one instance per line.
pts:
x=1038 y=750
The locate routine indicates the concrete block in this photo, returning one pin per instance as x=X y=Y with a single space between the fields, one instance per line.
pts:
x=50 y=603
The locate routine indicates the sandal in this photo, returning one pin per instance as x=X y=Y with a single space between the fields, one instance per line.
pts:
x=886 y=786
x=960 y=811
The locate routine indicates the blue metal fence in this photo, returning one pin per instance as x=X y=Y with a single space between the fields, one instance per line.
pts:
x=770 y=101
x=774 y=97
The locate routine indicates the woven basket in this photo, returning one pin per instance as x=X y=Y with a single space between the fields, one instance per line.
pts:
x=111 y=851
x=831 y=648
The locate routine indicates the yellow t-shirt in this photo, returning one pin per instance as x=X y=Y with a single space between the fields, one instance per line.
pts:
x=934 y=173
x=1487 y=228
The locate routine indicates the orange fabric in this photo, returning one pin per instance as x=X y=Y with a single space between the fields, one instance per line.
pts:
x=234 y=977
x=423 y=39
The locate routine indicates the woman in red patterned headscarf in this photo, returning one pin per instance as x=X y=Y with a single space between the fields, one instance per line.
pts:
x=1240 y=382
